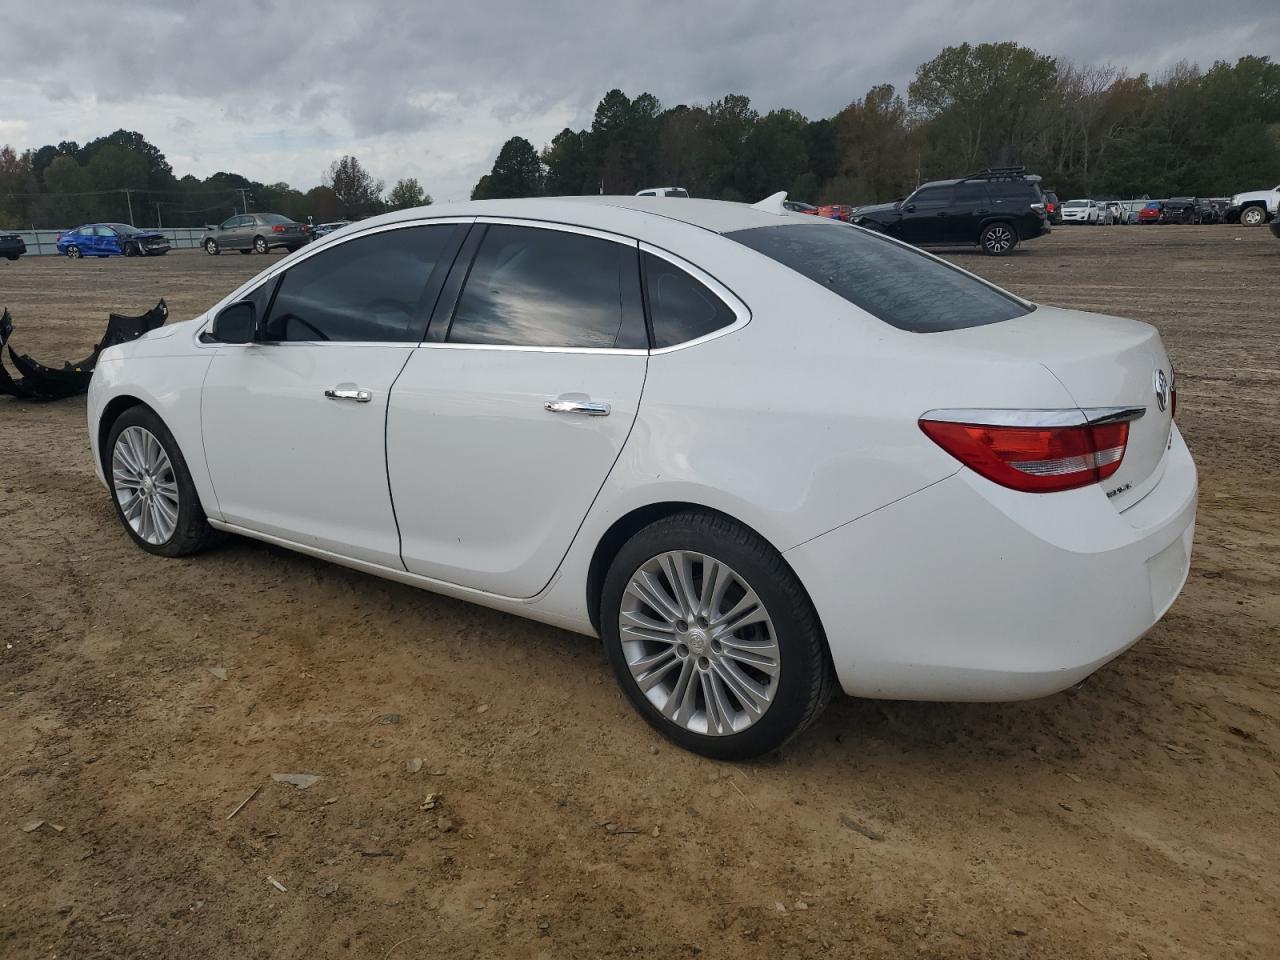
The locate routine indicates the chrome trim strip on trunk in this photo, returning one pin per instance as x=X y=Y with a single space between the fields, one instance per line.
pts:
x=1069 y=417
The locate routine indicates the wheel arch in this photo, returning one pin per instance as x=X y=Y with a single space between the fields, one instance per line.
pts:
x=629 y=524
x=115 y=407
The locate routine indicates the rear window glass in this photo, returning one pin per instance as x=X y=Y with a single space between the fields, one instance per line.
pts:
x=899 y=285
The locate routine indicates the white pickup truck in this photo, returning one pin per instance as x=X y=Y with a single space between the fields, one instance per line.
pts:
x=1254 y=208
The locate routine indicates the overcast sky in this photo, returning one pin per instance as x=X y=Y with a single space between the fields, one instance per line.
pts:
x=276 y=90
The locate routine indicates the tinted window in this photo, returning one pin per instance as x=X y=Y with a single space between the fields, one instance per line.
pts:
x=901 y=286
x=931 y=197
x=273 y=218
x=544 y=288
x=371 y=288
x=970 y=192
x=680 y=307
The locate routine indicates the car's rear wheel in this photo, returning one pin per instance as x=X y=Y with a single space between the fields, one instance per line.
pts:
x=260 y=244
x=713 y=638
x=211 y=247
x=998 y=239
x=73 y=252
x=151 y=487
x=1253 y=216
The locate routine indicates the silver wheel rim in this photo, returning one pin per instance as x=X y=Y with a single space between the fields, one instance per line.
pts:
x=998 y=239
x=699 y=643
x=260 y=246
x=73 y=252
x=211 y=246
x=1252 y=216
x=145 y=485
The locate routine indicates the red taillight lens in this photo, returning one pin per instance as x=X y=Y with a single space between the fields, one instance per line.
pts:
x=278 y=228
x=1034 y=459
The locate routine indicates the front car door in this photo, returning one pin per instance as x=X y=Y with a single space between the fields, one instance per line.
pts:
x=294 y=424
x=507 y=421
x=970 y=207
x=925 y=216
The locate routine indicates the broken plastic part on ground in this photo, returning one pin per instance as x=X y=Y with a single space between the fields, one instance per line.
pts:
x=39 y=382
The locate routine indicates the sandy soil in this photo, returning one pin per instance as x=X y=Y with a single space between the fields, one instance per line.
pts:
x=1138 y=816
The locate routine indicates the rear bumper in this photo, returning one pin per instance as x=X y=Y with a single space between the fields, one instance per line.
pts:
x=968 y=591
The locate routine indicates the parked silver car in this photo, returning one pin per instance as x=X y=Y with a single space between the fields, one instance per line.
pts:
x=255 y=233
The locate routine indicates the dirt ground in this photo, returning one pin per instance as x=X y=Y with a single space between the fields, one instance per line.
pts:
x=1137 y=816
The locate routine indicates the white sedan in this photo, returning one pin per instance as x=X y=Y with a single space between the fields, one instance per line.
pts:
x=760 y=454
x=1083 y=211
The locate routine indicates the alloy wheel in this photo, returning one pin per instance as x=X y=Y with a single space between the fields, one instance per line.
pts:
x=999 y=239
x=145 y=486
x=699 y=643
x=1251 y=217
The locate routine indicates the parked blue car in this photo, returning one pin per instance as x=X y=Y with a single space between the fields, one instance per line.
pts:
x=111 y=240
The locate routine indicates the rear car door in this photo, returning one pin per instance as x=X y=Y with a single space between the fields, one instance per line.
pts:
x=294 y=424
x=508 y=419
x=970 y=208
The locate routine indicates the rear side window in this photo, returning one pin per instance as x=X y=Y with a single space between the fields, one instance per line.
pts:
x=374 y=288
x=899 y=285
x=537 y=287
x=970 y=192
x=680 y=307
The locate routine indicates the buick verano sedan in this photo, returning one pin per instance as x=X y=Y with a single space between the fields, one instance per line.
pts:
x=761 y=455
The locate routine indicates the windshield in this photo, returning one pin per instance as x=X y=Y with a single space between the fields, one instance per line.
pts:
x=1077 y=203
x=123 y=228
x=893 y=282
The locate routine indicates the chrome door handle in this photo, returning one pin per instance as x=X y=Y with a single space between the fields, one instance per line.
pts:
x=343 y=393
x=588 y=408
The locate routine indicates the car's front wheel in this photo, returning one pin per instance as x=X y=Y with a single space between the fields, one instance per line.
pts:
x=998 y=239
x=1253 y=216
x=73 y=252
x=151 y=486
x=713 y=638
x=211 y=247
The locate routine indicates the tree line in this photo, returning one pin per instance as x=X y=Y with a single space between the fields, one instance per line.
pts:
x=1088 y=131
x=124 y=178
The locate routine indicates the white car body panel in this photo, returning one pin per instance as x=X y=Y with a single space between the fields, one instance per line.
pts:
x=799 y=421
x=490 y=487
x=289 y=461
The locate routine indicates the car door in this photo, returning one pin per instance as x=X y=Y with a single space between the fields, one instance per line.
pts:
x=507 y=421
x=229 y=233
x=925 y=216
x=970 y=206
x=294 y=423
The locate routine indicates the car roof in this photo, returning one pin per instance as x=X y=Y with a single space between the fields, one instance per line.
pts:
x=619 y=214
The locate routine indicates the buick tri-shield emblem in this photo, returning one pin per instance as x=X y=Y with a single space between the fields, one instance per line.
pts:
x=1161 y=384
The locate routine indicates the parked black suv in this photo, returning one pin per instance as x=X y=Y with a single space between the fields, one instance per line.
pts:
x=994 y=209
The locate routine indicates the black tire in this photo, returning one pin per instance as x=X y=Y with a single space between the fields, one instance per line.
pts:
x=132 y=250
x=192 y=532
x=73 y=252
x=260 y=245
x=211 y=247
x=998 y=239
x=1253 y=216
x=13 y=256
x=806 y=677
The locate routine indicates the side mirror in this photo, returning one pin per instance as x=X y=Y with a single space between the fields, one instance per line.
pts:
x=236 y=323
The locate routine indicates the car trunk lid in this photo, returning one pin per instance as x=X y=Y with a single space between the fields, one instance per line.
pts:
x=1101 y=362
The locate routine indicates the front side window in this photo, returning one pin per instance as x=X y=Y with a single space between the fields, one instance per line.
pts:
x=680 y=307
x=895 y=283
x=373 y=288
x=536 y=287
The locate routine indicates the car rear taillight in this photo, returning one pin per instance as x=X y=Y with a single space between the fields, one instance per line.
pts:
x=278 y=228
x=1035 y=451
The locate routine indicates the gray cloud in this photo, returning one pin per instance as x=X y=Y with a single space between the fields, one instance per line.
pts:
x=431 y=89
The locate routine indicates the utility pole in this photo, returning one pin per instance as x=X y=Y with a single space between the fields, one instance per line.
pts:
x=244 y=202
x=159 y=222
x=129 y=200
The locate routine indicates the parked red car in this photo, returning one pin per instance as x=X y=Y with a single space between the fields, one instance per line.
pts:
x=1152 y=212
x=836 y=211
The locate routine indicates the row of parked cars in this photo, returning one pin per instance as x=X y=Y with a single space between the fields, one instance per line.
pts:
x=246 y=233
